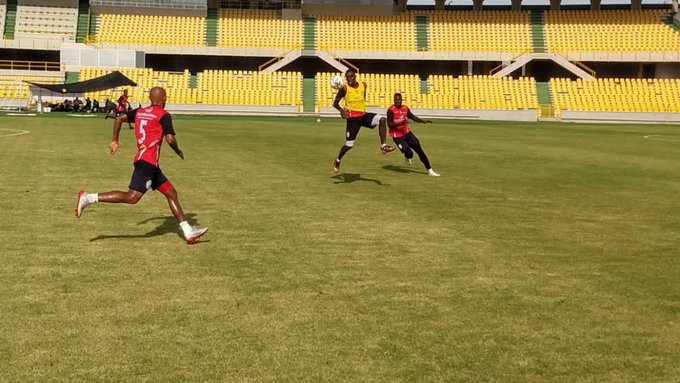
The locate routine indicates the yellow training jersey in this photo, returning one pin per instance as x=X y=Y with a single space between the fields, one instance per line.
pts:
x=355 y=99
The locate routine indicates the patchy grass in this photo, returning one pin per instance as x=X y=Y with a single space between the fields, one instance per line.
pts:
x=545 y=252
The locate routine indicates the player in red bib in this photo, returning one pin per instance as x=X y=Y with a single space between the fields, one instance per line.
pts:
x=122 y=106
x=152 y=125
x=397 y=120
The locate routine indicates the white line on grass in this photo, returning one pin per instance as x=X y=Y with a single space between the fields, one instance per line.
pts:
x=18 y=132
x=658 y=137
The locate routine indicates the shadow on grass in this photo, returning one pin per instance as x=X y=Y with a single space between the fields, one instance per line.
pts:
x=167 y=225
x=401 y=169
x=346 y=178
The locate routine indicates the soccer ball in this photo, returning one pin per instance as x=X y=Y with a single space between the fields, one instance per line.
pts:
x=336 y=82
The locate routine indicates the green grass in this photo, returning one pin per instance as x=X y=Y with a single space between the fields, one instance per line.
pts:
x=544 y=253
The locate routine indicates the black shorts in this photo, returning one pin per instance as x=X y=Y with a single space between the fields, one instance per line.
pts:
x=355 y=123
x=146 y=176
x=406 y=141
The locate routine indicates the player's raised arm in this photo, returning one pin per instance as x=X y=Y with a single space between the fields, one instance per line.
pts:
x=417 y=119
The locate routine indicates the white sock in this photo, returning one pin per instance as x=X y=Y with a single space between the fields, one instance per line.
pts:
x=337 y=160
x=92 y=197
x=383 y=145
x=186 y=228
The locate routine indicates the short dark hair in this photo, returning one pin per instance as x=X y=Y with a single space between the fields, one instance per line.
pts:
x=397 y=94
x=350 y=70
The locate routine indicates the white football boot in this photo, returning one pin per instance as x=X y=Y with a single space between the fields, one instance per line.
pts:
x=195 y=233
x=81 y=203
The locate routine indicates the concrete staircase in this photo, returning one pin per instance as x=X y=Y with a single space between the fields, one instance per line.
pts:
x=422 y=33
x=537 y=32
x=83 y=20
x=211 y=27
x=10 y=19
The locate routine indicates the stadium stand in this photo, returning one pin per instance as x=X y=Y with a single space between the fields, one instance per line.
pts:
x=213 y=87
x=609 y=31
x=489 y=31
x=485 y=37
x=249 y=88
x=175 y=83
x=150 y=30
x=481 y=92
x=445 y=92
x=13 y=86
x=46 y=21
x=380 y=33
x=257 y=28
x=617 y=95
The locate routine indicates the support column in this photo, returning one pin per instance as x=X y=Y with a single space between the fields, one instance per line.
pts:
x=636 y=5
x=595 y=5
x=439 y=5
x=555 y=5
x=516 y=5
x=477 y=5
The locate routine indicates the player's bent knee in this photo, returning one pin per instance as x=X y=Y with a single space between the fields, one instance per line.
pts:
x=378 y=119
x=349 y=143
x=133 y=197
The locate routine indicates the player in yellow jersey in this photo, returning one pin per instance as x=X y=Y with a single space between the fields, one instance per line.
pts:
x=354 y=112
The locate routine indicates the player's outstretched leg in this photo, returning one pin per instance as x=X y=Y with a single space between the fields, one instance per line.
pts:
x=423 y=158
x=343 y=150
x=382 y=130
x=191 y=234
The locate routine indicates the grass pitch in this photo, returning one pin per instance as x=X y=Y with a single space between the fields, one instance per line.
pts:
x=545 y=252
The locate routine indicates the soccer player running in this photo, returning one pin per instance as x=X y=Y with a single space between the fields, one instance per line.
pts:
x=354 y=112
x=397 y=120
x=122 y=107
x=152 y=124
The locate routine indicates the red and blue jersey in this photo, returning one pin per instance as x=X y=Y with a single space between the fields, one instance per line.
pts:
x=151 y=125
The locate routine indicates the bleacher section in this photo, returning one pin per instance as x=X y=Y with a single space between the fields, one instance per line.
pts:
x=13 y=86
x=445 y=92
x=256 y=28
x=481 y=92
x=617 y=95
x=488 y=31
x=249 y=88
x=151 y=30
x=175 y=83
x=609 y=31
x=46 y=21
x=213 y=87
x=379 y=33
